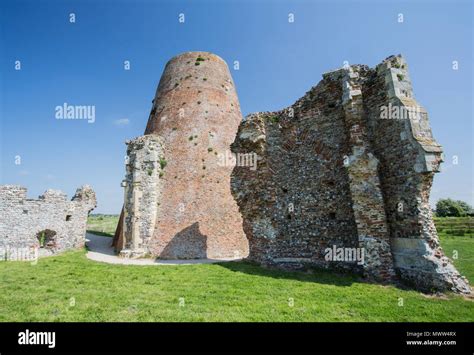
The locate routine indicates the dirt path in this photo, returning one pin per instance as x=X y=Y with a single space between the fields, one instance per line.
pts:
x=100 y=249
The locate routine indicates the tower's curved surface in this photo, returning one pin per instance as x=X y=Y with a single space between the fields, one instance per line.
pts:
x=196 y=115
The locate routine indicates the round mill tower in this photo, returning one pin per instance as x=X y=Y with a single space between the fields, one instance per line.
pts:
x=193 y=121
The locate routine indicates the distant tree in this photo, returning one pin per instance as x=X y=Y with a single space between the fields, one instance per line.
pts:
x=466 y=207
x=450 y=208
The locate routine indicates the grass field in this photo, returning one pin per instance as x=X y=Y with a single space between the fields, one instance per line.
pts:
x=71 y=287
x=459 y=226
x=457 y=234
x=102 y=224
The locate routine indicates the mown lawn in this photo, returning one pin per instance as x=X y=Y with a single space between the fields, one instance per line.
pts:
x=457 y=239
x=102 y=224
x=458 y=226
x=463 y=249
x=72 y=288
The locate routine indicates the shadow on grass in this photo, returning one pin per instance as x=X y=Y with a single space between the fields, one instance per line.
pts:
x=312 y=274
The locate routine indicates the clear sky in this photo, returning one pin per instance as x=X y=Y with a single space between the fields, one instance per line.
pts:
x=82 y=63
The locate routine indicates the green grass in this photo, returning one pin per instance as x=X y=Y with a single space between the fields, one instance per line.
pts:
x=463 y=226
x=102 y=224
x=464 y=246
x=71 y=287
x=457 y=239
x=235 y=291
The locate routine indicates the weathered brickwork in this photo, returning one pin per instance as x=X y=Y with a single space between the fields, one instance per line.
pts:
x=46 y=226
x=366 y=194
x=195 y=116
x=343 y=168
x=409 y=157
x=297 y=202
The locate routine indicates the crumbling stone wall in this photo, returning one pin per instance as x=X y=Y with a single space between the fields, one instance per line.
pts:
x=142 y=190
x=347 y=167
x=409 y=157
x=366 y=193
x=297 y=202
x=46 y=226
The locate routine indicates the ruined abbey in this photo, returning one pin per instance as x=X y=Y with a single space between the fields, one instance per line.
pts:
x=341 y=179
x=47 y=226
x=349 y=166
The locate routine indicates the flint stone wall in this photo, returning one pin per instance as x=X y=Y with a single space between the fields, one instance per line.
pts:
x=23 y=220
x=333 y=171
x=142 y=190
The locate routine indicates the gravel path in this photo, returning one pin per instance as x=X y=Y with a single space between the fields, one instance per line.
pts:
x=100 y=249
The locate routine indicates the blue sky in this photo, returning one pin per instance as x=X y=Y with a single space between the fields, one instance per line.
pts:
x=81 y=63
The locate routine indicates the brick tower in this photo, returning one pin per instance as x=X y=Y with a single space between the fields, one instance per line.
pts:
x=178 y=203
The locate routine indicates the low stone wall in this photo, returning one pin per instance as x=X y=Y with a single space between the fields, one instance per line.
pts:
x=46 y=226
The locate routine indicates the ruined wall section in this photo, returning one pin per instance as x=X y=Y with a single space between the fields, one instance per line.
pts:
x=46 y=226
x=142 y=185
x=362 y=166
x=253 y=205
x=409 y=156
x=332 y=171
x=297 y=202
